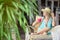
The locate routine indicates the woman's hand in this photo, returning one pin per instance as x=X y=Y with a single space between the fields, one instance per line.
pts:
x=43 y=33
x=44 y=30
x=40 y=33
x=34 y=23
x=38 y=20
x=52 y=14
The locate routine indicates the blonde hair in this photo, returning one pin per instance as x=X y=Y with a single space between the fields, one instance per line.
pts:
x=48 y=10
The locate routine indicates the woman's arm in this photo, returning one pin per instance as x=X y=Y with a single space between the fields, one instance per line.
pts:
x=44 y=30
x=34 y=23
x=37 y=20
x=53 y=21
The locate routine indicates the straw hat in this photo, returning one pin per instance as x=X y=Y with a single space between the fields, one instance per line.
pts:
x=48 y=10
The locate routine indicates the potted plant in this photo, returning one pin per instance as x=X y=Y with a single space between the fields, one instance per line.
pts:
x=10 y=12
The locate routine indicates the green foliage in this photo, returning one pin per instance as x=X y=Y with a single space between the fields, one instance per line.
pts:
x=10 y=12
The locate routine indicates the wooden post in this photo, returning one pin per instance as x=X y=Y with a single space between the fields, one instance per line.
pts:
x=52 y=5
x=59 y=3
x=39 y=6
x=46 y=3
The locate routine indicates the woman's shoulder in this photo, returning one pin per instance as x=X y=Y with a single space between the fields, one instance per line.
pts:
x=50 y=20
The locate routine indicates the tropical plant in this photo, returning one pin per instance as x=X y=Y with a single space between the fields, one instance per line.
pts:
x=12 y=11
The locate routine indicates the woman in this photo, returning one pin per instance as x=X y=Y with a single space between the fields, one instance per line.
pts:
x=47 y=22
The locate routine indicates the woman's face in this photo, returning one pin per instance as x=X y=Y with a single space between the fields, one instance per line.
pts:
x=45 y=13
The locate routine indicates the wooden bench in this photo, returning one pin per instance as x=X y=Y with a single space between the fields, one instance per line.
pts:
x=40 y=37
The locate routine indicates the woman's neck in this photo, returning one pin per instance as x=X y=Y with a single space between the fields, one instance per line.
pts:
x=47 y=17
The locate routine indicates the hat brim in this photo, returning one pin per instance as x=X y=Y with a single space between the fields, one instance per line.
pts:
x=42 y=10
x=46 y=10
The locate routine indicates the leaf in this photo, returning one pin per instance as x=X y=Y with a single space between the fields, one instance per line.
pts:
x=15 y=12
x=1 y=1
x=8 y=14
x=1 y=24
x=22 y=7
x=15 y=4
x=13 y=15
x=5 y=35
x=1 y=5
x=34 y=1
x=9 y=36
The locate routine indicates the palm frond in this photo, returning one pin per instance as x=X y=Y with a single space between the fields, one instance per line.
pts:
x=10 y=12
